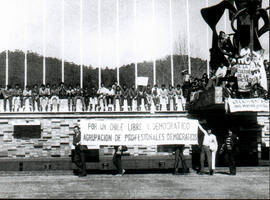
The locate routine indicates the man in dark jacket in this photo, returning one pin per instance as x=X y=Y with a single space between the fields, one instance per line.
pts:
x=117 y=159
x=79 y=154
x=229 y=148
x=179 y=156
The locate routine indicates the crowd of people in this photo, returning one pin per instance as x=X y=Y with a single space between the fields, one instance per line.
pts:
x=46 y=97
x=121 y=98
x=225 y=75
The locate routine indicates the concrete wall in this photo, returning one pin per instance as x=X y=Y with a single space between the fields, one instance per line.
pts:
x=57 y=134
x=55 y=141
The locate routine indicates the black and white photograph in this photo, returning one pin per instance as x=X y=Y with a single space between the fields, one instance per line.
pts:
x=134 y=99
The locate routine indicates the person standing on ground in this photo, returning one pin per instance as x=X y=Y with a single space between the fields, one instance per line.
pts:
x=229 y=148
x=179 y=156
x=79 y=155
x=117 y=159
x=213 y=149
x=205 y=150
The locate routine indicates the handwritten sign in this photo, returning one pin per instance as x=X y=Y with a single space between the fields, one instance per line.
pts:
x=139 y=131
x=250 y=70
x=255 y=105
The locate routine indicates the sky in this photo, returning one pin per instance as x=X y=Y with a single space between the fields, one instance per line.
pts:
x=69 y=29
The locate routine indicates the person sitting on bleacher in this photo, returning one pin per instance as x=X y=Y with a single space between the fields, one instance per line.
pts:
x=110 y=95
x=35 y=97
x=148 y=93
x=7 y=93
x=93 y=92
x=48 y=90
x=118 y=95
x=125 y=94
x=70 y=93
x=17 y=96
x=178 y=91
x=141 y=95
x=102 y=93
x=132 y=94
x=163 y=95
x=27 y=94
x=79 y=95
x=156 y=94
x=43 y=96
x=114 y=85
x=62 y=91
x=54 y=97
x=171 y=95
x=93 y=98
x=86 y=96
x=179 y=95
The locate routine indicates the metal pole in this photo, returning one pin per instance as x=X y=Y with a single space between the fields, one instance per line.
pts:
x=207 y=47
x=99 y=46
x=63 y=40
x=117 y=40
x=44 y=41
x=25 y=44
x=154 y=57
x=188 y=39
x=171 y=44
x=81 y=58
x=135 y=41
x=6 y=67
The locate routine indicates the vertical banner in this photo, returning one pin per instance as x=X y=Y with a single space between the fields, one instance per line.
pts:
x=249 y=71
x=139 y=131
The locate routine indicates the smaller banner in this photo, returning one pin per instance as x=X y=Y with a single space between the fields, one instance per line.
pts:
x=139 y=131
x=142 y=81
x=253 y=105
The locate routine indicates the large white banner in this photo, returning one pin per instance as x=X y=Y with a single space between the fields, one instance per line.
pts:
x=255 y=105
x=139 y=131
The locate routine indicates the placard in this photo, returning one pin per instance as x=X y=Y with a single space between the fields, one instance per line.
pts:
x=142 y=81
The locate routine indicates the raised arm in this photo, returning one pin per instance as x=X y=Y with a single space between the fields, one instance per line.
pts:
x=201 y=128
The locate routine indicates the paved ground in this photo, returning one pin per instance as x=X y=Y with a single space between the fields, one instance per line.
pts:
x=251 y=183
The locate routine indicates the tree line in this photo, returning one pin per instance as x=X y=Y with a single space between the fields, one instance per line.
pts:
x=90 y=73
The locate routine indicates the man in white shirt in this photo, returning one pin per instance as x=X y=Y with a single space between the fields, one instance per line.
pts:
x=102 y=92
x=110 y=95
x=27 y=94
x=213 y=149
x=205 y=149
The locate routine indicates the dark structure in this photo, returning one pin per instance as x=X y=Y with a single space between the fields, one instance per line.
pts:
x=246 y=34
x=250 y=126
